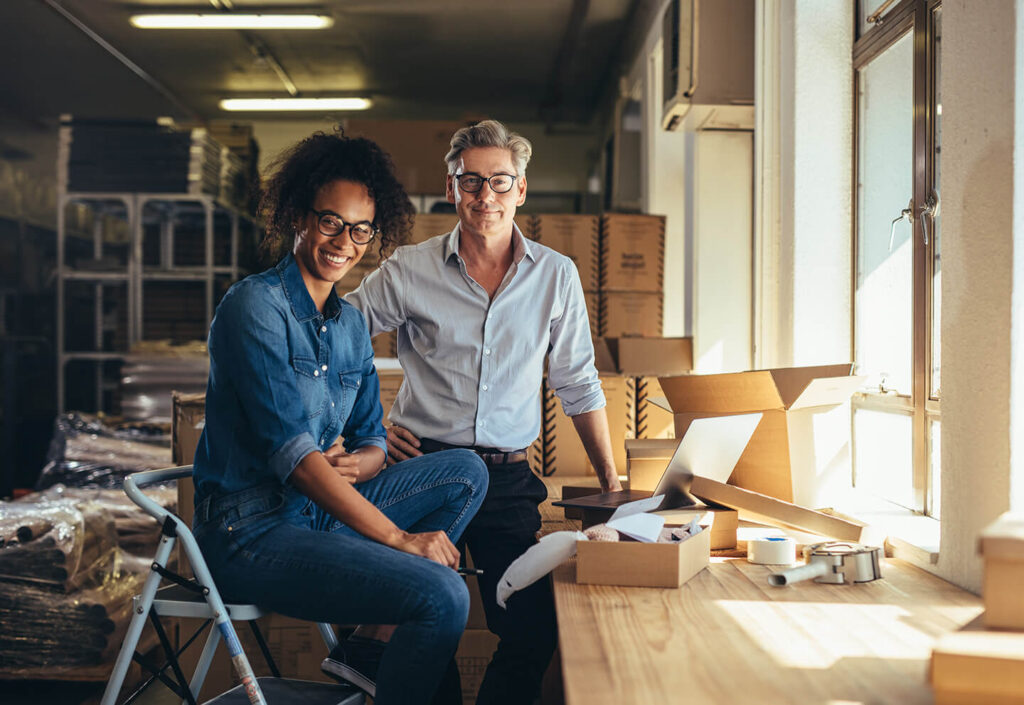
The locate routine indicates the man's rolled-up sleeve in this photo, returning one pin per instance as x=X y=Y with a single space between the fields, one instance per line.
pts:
x=249 y=344
x=571 y=371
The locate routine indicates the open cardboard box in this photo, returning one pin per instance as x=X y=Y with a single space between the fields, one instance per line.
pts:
x=646 y=460
x=635 y=564
x=789 y=457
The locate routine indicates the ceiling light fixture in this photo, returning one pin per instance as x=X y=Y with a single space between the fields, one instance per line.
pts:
x=231 y=20
x=294 y=104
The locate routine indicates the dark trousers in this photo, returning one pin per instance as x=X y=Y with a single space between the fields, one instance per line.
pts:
x=504 y=527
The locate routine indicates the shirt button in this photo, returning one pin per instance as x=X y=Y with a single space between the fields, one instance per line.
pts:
x=323 y=329
x=316 y=373
x=332 y=404
x=323 y=367
x=484 y=387
x=489 y=316
x=487 y=351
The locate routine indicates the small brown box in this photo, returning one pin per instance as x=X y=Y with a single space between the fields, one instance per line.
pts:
x=631 y=314
x=576 y=237
x=564 y=453
x=632 y=252
x=1002 y=548
x=635 y=564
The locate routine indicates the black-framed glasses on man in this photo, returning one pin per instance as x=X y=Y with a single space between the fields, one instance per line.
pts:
x=499 y=183
x=330 y=224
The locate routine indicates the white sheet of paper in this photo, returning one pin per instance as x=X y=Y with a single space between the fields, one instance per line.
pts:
x=642 y=527
x=637 y=506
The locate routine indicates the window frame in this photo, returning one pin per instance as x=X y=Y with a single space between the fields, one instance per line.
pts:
x=918 y=17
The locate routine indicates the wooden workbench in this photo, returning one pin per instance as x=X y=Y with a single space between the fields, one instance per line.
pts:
x=726 y=636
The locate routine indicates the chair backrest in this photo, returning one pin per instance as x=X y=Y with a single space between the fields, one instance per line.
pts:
x=174 y=528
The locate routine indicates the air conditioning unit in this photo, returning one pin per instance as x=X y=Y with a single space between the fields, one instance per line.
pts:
x=708 y=65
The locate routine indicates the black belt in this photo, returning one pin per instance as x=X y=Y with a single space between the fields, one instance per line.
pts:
x=491 y=456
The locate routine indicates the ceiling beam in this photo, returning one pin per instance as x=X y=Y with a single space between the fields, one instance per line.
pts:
x=549 y=106
x=128 y=63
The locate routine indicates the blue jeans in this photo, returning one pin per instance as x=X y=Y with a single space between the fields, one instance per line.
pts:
x=271 y=546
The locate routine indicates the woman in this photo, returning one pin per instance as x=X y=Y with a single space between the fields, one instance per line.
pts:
x=287 y=515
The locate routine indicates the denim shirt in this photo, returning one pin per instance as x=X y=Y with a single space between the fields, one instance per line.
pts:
x=285 y=380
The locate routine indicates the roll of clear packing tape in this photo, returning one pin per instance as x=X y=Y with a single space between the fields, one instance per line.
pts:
x=774 y=550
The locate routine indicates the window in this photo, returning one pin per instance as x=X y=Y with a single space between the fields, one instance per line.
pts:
x=896 y=285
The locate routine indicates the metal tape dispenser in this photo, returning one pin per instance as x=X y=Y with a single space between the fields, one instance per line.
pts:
x=834 y=562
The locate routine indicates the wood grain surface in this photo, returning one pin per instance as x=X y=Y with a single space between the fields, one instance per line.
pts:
x=726 y=636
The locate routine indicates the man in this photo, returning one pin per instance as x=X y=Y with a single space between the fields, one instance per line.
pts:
x=477 y=312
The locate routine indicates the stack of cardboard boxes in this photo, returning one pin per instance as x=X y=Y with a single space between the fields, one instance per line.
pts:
x=984 y=661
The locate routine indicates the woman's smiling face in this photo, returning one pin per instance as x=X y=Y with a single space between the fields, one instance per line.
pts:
x=324 y=260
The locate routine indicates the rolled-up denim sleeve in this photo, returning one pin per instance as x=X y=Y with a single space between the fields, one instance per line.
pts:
x=248 y=343
x=571 y=371
x=365 y=425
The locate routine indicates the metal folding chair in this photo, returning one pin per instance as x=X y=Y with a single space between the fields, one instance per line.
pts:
x=199 y=598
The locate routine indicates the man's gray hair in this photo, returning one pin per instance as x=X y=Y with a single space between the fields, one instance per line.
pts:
x=490 y=133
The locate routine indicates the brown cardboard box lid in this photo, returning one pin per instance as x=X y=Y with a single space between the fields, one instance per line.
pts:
x=760 y=390
x=644 y=357
x=658 y=448
x=1004 y=538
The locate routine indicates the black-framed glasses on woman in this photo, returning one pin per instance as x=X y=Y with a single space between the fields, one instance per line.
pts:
x=499 y=183
x=330 y=224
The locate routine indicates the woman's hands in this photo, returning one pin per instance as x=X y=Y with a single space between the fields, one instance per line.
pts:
x=358 y=466
x=434 y=545
x=328 y=482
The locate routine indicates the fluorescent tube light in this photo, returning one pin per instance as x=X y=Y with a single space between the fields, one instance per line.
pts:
x=231 y=20
x=285 y=104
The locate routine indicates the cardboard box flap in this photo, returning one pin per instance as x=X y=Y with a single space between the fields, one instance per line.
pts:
x=758 y=390
x=792 y=381
x=1004 y=538
x=827 y=391
x=660 y=402
x=723 y=393
x=604 y=359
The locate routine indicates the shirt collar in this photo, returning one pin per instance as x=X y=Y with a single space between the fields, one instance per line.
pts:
x=298 y=295
x=520 y=245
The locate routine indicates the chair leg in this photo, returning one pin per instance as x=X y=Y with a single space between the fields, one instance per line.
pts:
x=135 y=627
x=190 y=697
x=327 y=632
x=263 y=647
x=205 y=659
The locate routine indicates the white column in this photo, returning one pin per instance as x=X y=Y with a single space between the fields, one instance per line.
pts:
x=982 y=311
x=805 y=151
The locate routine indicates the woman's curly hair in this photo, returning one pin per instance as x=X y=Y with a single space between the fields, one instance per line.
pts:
x=302 y=170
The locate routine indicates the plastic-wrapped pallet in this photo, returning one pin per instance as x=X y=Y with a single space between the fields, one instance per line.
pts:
x=65 y=587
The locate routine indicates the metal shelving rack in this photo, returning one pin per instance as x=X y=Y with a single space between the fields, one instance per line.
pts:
x=138 y=210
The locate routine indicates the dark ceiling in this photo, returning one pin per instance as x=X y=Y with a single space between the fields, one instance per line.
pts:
x=523 y=60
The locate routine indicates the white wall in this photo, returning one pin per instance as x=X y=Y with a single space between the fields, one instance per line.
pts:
x=981 y=309
x=805 y=146
x=664 y=183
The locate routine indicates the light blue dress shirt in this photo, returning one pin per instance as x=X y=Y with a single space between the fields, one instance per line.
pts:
x=473 y=365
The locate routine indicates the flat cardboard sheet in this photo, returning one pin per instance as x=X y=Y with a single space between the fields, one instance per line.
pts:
x=775 y=512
